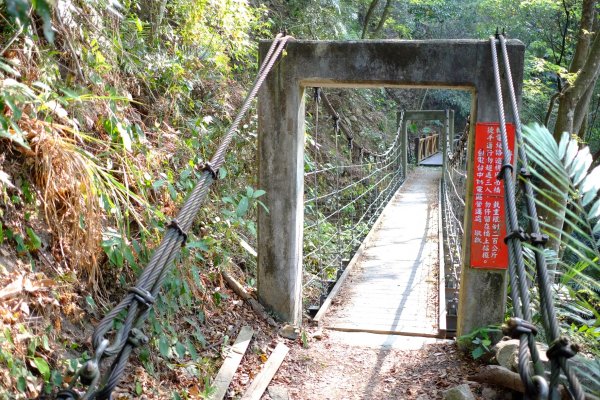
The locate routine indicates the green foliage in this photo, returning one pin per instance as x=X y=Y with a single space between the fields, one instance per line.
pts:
x=20 y=11
x=479 y=341
x=23 y=370
x=564 y=167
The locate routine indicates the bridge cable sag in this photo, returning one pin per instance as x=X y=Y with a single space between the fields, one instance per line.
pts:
x=520 y=326
x=340 y=218
x=140 y=298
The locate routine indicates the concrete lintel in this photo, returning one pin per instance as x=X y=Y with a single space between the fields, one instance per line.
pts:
x=453 y=64
x=425 y=115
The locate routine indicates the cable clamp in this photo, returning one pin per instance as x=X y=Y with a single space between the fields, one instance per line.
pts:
x=515 y=327
x=500 y=175
x=143 y=296
x=519 y=233
x=175 y=225
x=562 y=348
x=209 y=167
x=137 y=338
x=525 y=174
x=538 y=239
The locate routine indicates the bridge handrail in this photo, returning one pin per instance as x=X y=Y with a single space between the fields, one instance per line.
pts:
x=378 y=176
x=426 y=146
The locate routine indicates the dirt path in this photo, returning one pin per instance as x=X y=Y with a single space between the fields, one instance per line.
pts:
x=353 y=366
x=392 y=289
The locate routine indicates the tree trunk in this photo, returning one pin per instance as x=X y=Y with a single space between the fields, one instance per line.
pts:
x=582 y=111
x=586 y=64
x=572 y=109
x=384 y=16
x=368 y=17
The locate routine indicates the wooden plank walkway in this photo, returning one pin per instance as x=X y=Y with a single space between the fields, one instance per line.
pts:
x=435 y=160
x=393 y=288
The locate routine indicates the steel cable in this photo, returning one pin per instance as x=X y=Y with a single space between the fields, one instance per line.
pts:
x=546 y=301
x=140 y=298
x=518 y=278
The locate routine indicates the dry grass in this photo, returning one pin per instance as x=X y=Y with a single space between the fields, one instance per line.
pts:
x=69 y=195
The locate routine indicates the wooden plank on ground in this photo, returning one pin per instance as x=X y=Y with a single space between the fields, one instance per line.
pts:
x=225 y=375
x=260 y=383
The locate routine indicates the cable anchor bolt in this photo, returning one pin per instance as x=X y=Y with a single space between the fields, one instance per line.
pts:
x=89 y=373
x=142 y=296
x=525 y=173
x=538 y=239
x=137 y=338
x=519 y=233
x=500 y=175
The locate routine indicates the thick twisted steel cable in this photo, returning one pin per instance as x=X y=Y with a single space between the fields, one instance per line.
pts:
x=527 y=347
x=549 y=313
x=153 y=276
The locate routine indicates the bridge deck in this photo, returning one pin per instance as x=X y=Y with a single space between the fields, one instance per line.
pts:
x=393 y=287
x=435 y=160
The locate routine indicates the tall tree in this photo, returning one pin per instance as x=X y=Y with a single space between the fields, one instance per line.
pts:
x=574 y=103
x=369 y=16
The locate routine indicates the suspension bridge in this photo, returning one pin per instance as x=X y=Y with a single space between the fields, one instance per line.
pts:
x=420 y=251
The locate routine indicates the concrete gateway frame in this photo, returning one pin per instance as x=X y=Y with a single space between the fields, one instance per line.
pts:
x=450 y=64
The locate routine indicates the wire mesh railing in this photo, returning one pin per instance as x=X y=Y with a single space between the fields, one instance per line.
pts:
x=453 y=191
x=346 y=188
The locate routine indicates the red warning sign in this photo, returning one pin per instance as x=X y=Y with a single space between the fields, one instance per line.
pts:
x=488 y=249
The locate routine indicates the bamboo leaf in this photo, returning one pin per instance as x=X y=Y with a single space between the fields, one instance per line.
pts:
x=596 y=229
x=582 y=163
x=587 y=198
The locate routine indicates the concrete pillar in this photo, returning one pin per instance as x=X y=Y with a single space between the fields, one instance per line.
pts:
x=460 y=64
x=281 y=175
x=482 y=297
